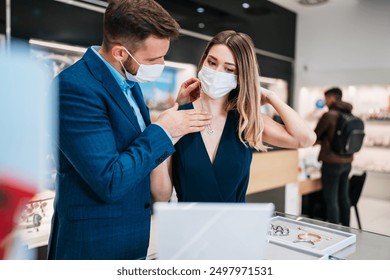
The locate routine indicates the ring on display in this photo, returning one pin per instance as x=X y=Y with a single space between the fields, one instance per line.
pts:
x=276 y=230
x=309 y=237
x=322 y=236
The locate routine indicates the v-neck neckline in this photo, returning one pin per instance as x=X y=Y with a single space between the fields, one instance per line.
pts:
x=212 y=163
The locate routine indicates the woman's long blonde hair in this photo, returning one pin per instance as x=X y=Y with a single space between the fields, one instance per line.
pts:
x=246 y=97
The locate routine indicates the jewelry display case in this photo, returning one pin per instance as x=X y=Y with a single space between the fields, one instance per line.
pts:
x=35 y=220
x=305 y=236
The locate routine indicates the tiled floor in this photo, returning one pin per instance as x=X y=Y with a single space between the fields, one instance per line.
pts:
x=374 y=215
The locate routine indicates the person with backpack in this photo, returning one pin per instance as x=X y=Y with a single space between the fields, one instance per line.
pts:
x=340 y=134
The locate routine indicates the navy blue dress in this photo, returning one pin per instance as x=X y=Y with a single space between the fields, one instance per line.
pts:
x=196 y=179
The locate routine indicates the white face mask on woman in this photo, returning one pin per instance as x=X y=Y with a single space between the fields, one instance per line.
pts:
x=216 y=84
x=145 y=73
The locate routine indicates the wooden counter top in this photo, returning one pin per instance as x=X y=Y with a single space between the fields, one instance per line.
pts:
x=272 y=170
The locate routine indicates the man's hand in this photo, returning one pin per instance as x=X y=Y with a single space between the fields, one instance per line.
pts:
x=179 y=123
x=189 y=91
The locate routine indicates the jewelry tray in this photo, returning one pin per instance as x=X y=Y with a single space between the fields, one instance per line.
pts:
x=279 y=251
x=331 y=240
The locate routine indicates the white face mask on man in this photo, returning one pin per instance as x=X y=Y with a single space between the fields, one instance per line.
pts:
x=145 y=73
x=216 y=84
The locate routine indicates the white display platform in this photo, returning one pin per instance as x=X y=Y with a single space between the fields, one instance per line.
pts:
x=278 y=251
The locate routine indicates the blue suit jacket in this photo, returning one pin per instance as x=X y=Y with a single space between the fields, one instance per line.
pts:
x=102 y=204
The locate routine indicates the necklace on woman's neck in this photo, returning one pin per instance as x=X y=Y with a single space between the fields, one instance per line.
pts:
x=210 y=130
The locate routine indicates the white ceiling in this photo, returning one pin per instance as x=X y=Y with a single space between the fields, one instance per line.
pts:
x=294 y=6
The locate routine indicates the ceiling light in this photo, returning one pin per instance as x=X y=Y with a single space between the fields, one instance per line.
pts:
x=200 y=10
x=245 y=5
x=311 y=2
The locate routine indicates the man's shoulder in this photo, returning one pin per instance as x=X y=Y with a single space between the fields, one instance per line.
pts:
x=81 y=64
x=77 y=76
x=331 y=115
x=342 y=107
x=74 y=69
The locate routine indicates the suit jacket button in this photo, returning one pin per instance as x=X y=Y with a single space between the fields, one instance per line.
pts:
x=147 y=205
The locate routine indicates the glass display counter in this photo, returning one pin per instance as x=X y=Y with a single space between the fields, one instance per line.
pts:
x=357 y=244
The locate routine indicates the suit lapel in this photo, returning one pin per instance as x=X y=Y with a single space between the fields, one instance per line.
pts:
x=117 y=94
x=103 y=74
x=137 y=93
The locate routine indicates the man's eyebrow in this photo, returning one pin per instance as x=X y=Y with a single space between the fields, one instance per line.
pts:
x=158 y=57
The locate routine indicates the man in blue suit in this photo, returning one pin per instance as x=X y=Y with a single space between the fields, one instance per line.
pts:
x=107 y=143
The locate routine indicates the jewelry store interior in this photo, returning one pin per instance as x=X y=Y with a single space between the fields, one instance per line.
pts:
x=303 y=48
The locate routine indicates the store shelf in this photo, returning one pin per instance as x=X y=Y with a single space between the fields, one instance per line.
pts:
x=379 y=122
x=377 y=147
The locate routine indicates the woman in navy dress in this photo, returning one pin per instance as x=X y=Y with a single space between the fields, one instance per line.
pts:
x=214 y=165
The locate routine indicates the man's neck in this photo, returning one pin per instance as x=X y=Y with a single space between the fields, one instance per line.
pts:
x=110 y=59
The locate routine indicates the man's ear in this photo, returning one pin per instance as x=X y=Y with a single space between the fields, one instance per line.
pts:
x=119 y=53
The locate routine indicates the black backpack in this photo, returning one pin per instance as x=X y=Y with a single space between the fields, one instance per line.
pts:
x=349 y=135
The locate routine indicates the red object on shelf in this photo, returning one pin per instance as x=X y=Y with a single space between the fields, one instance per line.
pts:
x=13 y=194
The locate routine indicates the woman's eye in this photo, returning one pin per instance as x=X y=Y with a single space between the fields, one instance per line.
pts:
x=211 y=63
x=230 y=70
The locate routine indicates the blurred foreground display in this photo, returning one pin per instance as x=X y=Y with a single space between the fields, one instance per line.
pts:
x=27 y=123
x=12 y=195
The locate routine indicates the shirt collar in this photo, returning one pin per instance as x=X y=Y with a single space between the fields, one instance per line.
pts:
x=122 y=81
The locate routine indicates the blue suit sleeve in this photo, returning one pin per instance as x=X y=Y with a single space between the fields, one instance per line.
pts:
x=88 y=142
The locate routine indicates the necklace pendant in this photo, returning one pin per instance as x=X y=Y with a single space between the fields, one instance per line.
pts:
x=210 y=131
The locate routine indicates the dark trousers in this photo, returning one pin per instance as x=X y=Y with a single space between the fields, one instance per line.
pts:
x=335 y=187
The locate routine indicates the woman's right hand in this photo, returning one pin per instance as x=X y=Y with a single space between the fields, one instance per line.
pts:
x=266 y=95
x=189 y=91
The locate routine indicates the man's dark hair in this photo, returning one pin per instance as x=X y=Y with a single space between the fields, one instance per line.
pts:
x=336 y=92
x=130 y=22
